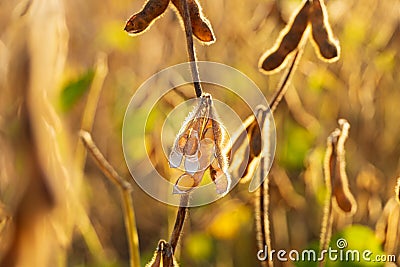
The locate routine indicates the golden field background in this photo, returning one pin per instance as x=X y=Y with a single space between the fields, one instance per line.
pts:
x=65 y=216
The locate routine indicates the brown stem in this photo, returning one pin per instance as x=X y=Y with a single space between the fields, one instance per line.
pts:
x=180 y=220
x=283 y=86
x=262 y=220
x=262 y=202
x=89 y=112
x=326 y=227
x=329 y=172
x=125 y=189
x=190 y=49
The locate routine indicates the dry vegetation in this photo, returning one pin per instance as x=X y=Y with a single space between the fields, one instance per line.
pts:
x=56 y=212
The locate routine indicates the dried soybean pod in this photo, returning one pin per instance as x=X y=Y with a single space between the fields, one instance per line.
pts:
x=254 y=136
x=255 y=143
x=238 y=152
x=156 y=260
x=220 y=139
x=340 y=185
x=275 y=58
x=201 y=27
x=325 y=44
x=163 y=256
x=139 y=22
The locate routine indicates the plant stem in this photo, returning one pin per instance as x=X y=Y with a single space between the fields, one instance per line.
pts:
x=190 y=49
x=284 y=84
x=329 y=172
x=89 y=112
x=262 y=202
x=125 y=189
x=180 y=220
x=326 y=227
x=262 y=220
x=83 y=224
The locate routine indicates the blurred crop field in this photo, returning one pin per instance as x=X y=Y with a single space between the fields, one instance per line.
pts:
x=58 y=209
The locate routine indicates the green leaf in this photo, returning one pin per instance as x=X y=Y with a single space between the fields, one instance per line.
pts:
x=355 y=246
x=75 y=89
x=360 y=239
x=297 y=144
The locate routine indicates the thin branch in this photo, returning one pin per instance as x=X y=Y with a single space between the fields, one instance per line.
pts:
x=180 y=220
x=326 y=227
x=262 y=202
x=284 y=84
x=329 y=172
x=84 y=225
x=89 y=112
x=102 y=163
x=262 y=220
x=190 y=49
x=125 y=189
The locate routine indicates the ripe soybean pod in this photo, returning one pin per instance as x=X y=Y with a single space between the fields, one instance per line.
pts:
x=325 y=44
x=275 y=58
x=140 y=21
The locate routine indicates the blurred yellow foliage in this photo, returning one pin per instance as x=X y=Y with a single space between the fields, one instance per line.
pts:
x=228 y=222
